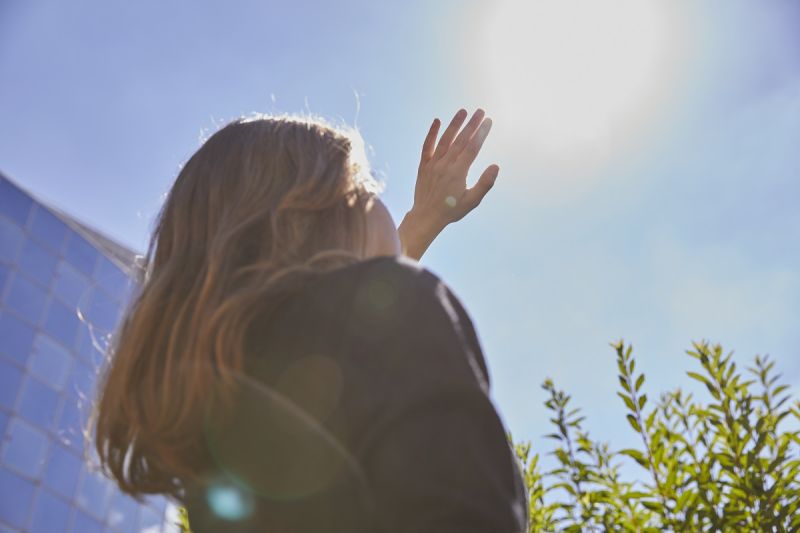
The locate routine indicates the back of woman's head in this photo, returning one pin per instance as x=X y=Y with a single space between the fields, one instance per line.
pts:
x=262 y=205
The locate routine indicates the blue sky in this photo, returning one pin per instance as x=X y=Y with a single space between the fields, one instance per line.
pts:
x=649 y=173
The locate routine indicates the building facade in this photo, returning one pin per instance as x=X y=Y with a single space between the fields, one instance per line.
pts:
x=63 y=286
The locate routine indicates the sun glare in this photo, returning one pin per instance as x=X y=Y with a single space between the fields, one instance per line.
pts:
x=574 y=78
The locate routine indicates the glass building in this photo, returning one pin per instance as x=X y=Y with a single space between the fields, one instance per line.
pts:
x=63 y=286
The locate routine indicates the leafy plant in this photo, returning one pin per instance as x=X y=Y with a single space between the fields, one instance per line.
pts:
x=724 y=465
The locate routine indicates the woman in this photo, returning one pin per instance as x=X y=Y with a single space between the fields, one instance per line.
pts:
x=287 y=364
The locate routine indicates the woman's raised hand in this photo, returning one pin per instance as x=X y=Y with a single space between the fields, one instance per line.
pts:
x=441 y=191
x=441 y=195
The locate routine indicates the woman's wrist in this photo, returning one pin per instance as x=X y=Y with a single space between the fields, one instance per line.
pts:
x=417 y=231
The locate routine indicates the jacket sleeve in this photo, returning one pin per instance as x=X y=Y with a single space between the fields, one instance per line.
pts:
x=445 y=465
x=438 y=458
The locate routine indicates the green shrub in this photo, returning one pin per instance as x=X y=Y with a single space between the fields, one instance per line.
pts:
x=724 y=465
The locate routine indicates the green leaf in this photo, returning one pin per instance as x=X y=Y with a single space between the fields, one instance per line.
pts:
x=634 y=424
x=652 y=505
x=650 y=420
x=628 y=402
x=639 y=382
x=636 y=455
x=698 y=377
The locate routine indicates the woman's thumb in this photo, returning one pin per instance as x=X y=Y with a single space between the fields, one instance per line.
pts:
x=475 y=194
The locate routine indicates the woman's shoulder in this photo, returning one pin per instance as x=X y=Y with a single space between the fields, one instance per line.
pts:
x=401 y=302
x=387 y=318
x=392 y=269
x=379 y=293
x=388 y=305
x=390 y=284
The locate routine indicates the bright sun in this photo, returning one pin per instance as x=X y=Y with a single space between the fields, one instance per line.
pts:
x=574 y=78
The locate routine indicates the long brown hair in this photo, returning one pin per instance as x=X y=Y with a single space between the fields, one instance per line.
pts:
x=263 y=204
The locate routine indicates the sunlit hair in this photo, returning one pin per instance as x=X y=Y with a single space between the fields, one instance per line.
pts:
x=265 y=203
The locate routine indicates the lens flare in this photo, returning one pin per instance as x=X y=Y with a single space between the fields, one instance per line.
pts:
x=229 y=502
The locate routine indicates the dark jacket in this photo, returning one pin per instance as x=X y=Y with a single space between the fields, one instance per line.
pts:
x=365 y=408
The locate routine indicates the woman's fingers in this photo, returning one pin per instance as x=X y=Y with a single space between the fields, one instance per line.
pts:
x=450 y=133
x=467 y=133
x=473 y=148
x=430 y=140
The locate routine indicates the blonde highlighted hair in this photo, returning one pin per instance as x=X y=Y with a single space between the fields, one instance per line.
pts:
x=265 y=203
